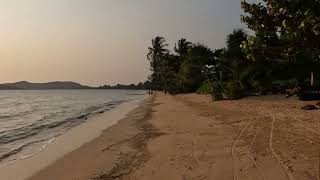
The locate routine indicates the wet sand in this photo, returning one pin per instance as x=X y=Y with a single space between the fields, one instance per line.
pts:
x=72 y=140
x=189 y=137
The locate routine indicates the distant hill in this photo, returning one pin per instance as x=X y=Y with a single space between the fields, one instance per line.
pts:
x=24 y=85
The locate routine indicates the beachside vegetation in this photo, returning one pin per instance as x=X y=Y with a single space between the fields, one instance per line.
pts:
x=282 y=51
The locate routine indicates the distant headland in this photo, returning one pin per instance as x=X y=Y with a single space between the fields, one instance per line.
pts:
x=25 y=85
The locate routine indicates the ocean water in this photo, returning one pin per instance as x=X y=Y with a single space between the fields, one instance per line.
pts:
x=30 y=120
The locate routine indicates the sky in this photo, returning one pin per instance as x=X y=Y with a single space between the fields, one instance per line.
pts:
x=97 y=42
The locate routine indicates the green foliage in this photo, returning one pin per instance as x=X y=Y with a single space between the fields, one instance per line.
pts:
x=257 y=78
x=283 y=50
x=200 y=55
x=190 y=77
x=283 y=28
x=234 y=41
x=205 y=88
x=182 y=47
x=234 y=90
x=159 y=62
x=217 y=92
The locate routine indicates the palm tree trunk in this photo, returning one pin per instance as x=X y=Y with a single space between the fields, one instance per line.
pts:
x=312 y=74
x=165 y=84
x=312 y=79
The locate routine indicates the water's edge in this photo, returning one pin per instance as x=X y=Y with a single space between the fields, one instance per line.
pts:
x=67 y=142
x=81 y=118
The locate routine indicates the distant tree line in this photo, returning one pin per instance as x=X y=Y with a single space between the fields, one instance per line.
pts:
x=139 y=86
x=282 y=53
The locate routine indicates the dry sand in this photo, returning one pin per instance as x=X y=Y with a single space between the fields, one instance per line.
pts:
x=189 y=137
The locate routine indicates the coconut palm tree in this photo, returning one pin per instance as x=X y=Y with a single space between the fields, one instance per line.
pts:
x=182 y=47
x=234 y=40
x=157 y=57
x=158 y=48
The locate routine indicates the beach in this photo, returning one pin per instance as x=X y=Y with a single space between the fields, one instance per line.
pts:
x=67 y=143
x=191 y=137
x=160 y=90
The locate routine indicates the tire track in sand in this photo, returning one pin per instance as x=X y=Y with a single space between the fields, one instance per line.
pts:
x=233 y=153
x=284 y=170
x=250 y=154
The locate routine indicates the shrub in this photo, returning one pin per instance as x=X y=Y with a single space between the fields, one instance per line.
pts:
x=205 y=88
x=217 y=93
x=234 y=90
x=211 y=88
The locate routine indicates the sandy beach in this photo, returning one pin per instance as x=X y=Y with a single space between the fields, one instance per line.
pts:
x=189 y=137
x=160 y=90
x=67 y=143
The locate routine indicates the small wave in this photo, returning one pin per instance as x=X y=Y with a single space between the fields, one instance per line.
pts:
x=20 y=114
x=11 y=137
x=137 y=94
x=16 y=151
x=40 y=150
x=98 y=109
x=38 y=126
x=19 y=149
x=55 y=128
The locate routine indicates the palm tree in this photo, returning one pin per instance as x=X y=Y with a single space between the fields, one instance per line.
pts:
x=234 y=40
x=157 y=57
x=158 y=47
x=235 y=58
x=182 y=47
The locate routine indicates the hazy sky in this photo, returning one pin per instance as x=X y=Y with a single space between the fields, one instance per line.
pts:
x=102 y=41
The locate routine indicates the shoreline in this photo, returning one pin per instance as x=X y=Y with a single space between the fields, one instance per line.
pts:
x=190 y=137
x=116 y=152
x=67 y=143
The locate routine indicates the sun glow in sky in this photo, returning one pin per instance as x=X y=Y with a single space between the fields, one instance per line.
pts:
x=102 y=41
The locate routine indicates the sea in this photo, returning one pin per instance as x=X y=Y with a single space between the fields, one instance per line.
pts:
x=32 y=119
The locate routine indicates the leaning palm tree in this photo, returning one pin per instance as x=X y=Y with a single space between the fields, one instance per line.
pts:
x=182 y=47
x=157 y=57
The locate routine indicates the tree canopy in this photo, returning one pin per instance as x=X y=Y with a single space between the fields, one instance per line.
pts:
x=281 y=53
